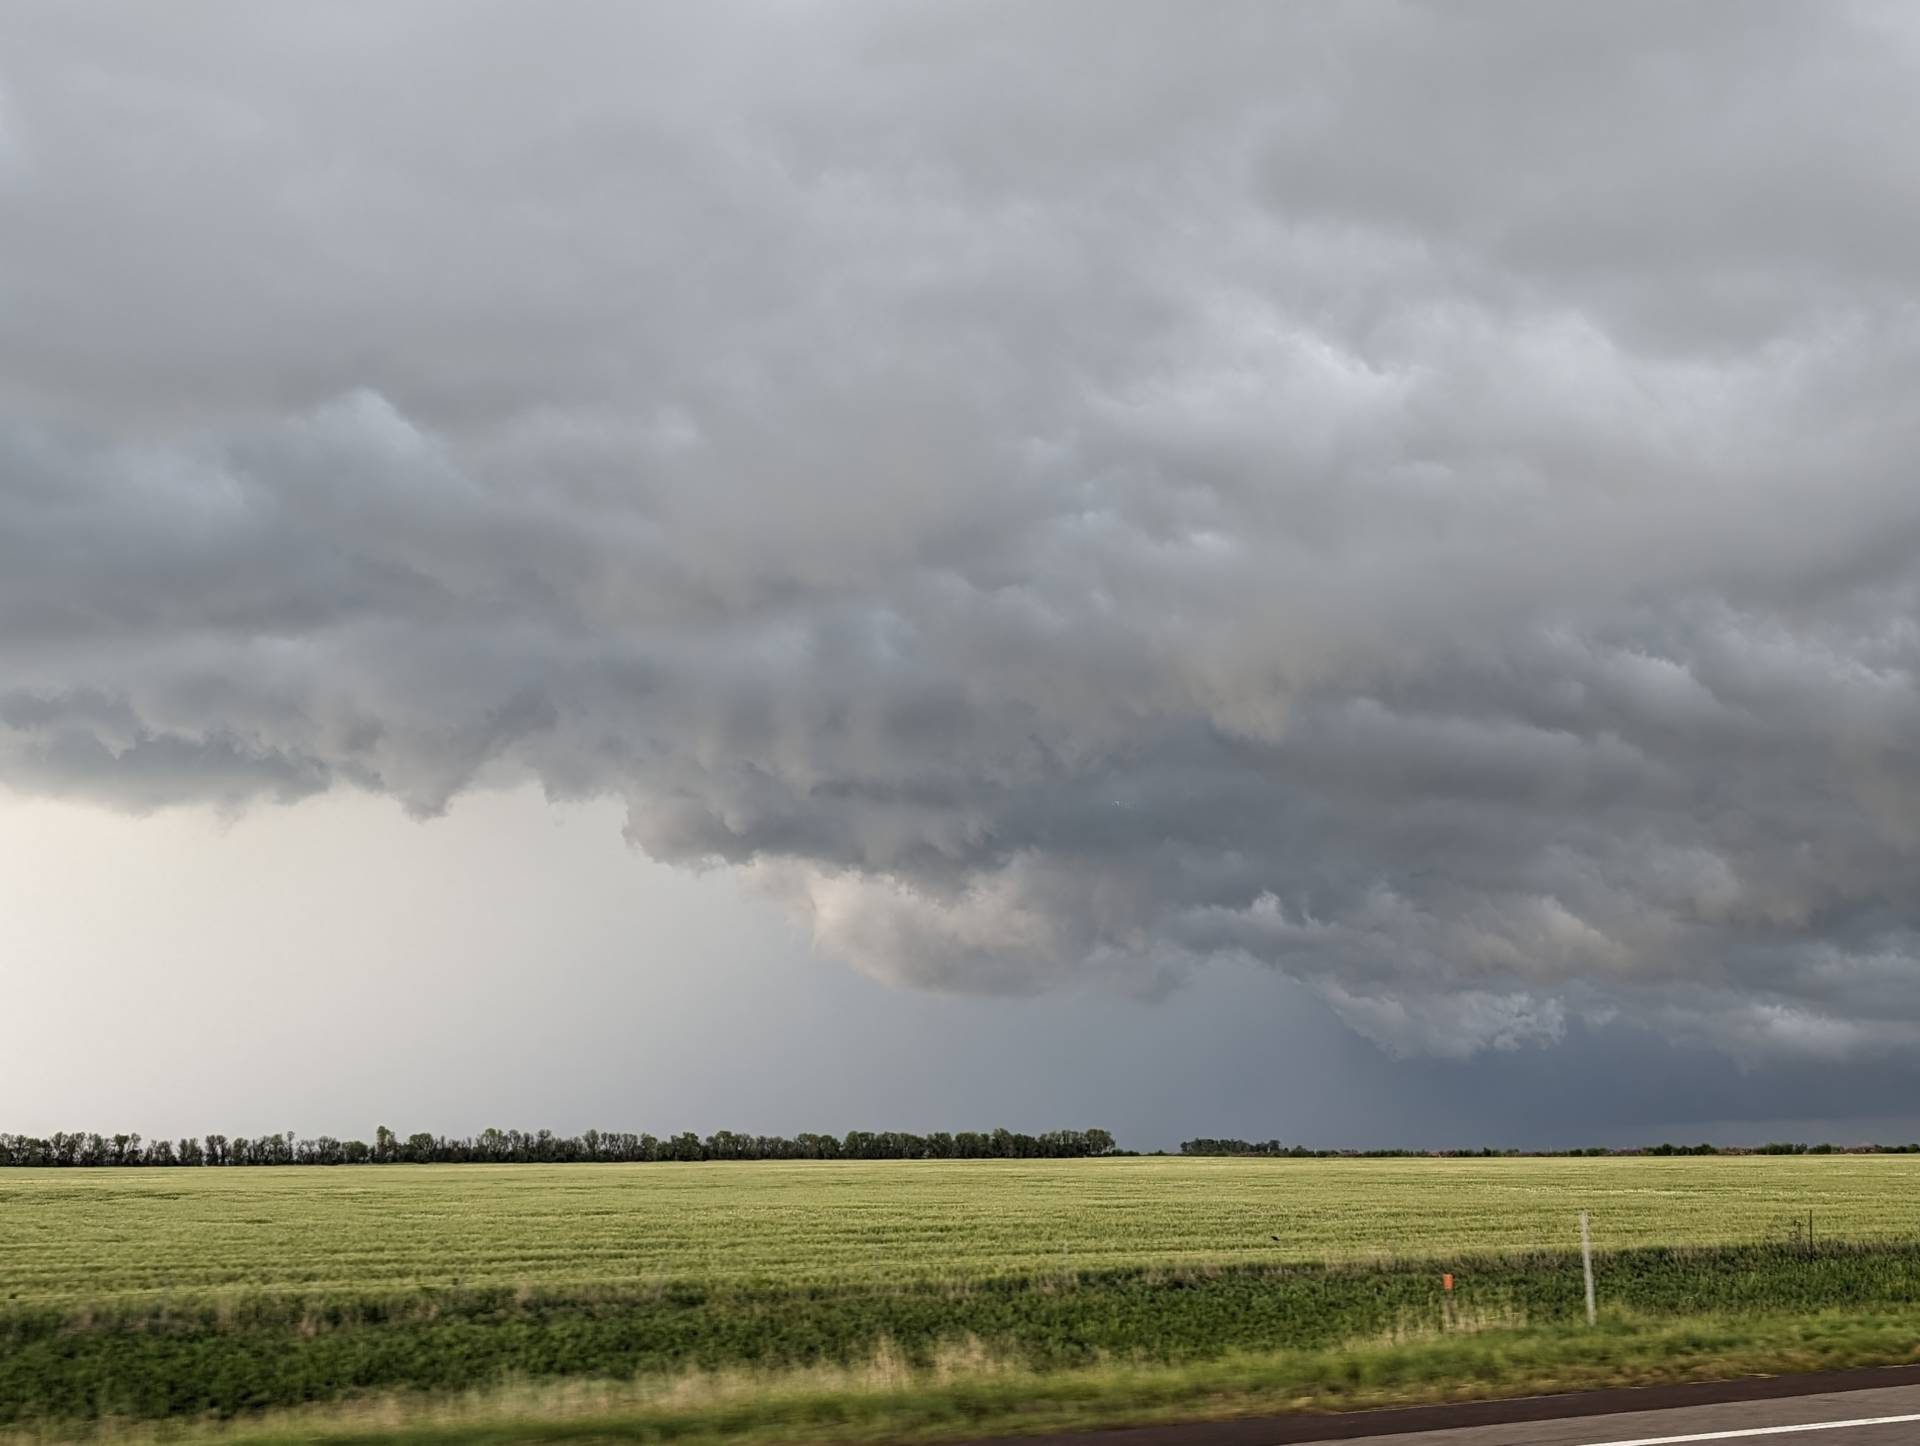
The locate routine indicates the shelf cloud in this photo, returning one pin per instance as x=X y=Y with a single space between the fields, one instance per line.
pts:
x=1423 y=498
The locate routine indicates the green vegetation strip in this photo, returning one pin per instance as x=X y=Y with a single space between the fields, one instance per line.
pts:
x=156 y=1359
x=755 y=1411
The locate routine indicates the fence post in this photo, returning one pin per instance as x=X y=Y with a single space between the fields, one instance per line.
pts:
x=1586 y=1263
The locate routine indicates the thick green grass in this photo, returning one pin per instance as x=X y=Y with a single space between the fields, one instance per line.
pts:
x=882 y=1401
x=91 y=1235
x=156 y=1359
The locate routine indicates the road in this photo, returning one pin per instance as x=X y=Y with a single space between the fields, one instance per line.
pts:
x=1853 y=1418
x=1848 y=1408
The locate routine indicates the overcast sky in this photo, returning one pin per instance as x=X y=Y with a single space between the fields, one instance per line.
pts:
x=1342 y=571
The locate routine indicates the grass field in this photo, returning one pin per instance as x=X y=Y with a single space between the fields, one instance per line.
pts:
x=917 y=1298
x=95 y=1235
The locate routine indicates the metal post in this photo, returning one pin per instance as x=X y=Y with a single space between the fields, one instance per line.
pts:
x=1586 y=1263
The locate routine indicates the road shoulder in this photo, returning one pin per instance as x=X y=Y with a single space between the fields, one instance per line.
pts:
x=1301 y=1429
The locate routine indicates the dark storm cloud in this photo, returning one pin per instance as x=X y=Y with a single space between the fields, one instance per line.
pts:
x=1421 y=497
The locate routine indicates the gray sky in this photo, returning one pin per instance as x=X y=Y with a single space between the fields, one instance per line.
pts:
x=1347 y=571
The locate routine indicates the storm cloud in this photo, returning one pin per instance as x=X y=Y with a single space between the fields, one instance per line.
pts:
x=1421 y=497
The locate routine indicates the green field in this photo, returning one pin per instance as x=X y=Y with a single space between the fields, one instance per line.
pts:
x=919 y=1298
x=95 y=1235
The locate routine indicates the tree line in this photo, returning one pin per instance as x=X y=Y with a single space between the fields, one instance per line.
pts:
x=544 y=1147
x=1273 y=1148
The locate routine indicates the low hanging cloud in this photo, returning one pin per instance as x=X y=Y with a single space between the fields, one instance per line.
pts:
x=1422 y=498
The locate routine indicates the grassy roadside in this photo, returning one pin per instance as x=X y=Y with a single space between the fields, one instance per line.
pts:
x=240 y=1356
x=961 y=1397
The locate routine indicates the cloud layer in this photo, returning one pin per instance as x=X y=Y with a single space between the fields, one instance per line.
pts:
x=1422 y=498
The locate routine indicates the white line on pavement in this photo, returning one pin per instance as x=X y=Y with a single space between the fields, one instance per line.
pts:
x=1763 y=1431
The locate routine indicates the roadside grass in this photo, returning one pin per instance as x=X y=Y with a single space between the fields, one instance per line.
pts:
x=968 y=1393
x=233 y=1356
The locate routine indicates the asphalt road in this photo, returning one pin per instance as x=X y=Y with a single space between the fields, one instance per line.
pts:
x=1846 y=1408
x=1853 y=1418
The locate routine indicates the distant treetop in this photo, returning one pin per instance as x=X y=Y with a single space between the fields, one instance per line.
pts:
x=1274 y=1148
x=544 y=1147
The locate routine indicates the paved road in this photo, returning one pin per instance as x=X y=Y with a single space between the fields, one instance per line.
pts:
x=1845 y=1408
x=1878 y=1418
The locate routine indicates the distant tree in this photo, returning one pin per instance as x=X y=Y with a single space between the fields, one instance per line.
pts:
x=544 y=1146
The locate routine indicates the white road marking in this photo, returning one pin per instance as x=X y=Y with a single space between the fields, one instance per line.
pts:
x=1764 y=1431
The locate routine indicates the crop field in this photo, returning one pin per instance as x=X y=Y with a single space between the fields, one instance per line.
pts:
x=90 y=1236
x=219 y=1294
